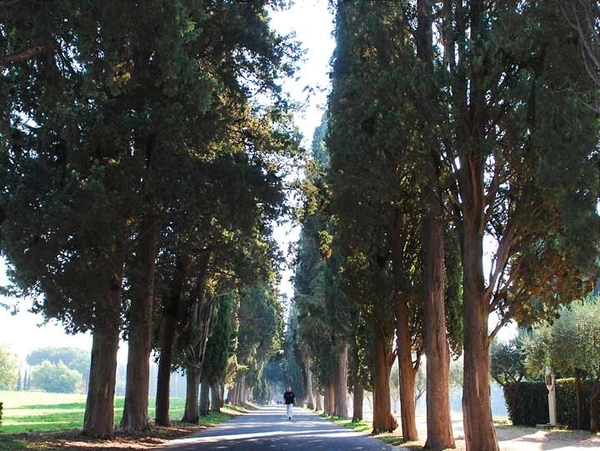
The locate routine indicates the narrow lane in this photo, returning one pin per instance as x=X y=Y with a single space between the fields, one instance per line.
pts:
x=269 y=429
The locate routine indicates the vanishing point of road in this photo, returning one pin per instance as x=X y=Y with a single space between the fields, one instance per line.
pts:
x=269 y=429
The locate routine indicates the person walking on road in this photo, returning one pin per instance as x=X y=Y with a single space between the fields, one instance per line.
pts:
x=289 y=399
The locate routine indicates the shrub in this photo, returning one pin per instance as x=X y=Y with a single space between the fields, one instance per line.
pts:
x=531 y=403
x=531 y=406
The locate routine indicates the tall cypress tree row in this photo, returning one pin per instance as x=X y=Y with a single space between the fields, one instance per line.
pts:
x=104 y=107
x=492 y=149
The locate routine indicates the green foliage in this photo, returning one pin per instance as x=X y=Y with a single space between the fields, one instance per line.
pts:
x=9 y=368
x=507 y=361
x=55 y=378
x=218 y=347
x=531 y=402
x=568 y=344
x=260 y=327
x=74 y=358
x=1 y=408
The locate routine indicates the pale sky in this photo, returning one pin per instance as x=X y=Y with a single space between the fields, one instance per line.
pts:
x=313 y=25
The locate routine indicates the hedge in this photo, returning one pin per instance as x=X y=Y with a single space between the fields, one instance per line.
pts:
x=1 y=405
x=531 y=405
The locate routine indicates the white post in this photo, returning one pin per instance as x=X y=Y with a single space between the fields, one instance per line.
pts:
x=551 y=386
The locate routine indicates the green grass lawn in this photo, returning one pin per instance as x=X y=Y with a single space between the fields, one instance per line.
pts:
x=39 y=412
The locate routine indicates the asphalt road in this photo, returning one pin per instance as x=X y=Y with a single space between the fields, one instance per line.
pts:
x=269 y=429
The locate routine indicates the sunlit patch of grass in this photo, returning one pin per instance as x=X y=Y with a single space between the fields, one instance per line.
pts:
x=26 y=412
x=396 y=440
x=502 y=421
x=366 y=426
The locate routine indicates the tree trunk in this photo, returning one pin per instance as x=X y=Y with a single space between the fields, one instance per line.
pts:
x=216 y=397
x=341 y=383
x=235 y=394
x=594 y=407
x=408 y=417
x=190 y=413
x=579 y=398
x=439 y=422
x=480 y=433
x=318 y=402
x=137 y=388
x=310 y=400
x=407 y=371
x=171 y=309
x=357 y=403
x=204 y=402
x=383 y=420
x=99 y=408
x=329 y=399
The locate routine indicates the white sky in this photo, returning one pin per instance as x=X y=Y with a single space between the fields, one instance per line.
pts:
x=313 y=24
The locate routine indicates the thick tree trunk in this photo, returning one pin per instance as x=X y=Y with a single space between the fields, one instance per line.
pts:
x=329 y=398
x=383 y=420
x=204 y=402
x=341 y=382
x=407 y=370
x=137 y=388
x=310 y=400
x=480 y=433
x=167 y=340
x=358 y=400
x=216 y=397
x=318 y=402
x=470 y=102
x=236 y=393
x=190 y=413
x=439 y=422
x=99 y=409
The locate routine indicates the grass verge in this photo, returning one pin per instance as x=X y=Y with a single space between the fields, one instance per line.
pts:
x=366 y=426
x=52 y=422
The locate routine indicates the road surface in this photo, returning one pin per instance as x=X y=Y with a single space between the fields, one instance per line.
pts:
x=269 y=429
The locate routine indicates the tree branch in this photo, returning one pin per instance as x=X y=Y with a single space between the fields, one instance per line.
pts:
x=21 y=56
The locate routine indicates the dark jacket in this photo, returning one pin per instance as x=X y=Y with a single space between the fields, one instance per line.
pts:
x=289 y=397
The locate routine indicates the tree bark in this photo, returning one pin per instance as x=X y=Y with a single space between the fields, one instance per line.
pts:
x=358 y=400
x=480 y=433
x=190 y=413
x=204 y=401
x=383 y=420
x=358 y=391
x=216 y=397
x=579 y=398
x=439 y=422
x=99 y=409
x=318 y=402
x=329 y=398
x=172 y=306
x=407 y=371
x=137 y=388
x=341 y=383
x=310 y=400
x=594 y=407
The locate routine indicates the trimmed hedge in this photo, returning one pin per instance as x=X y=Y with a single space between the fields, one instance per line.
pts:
x=531 y=405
